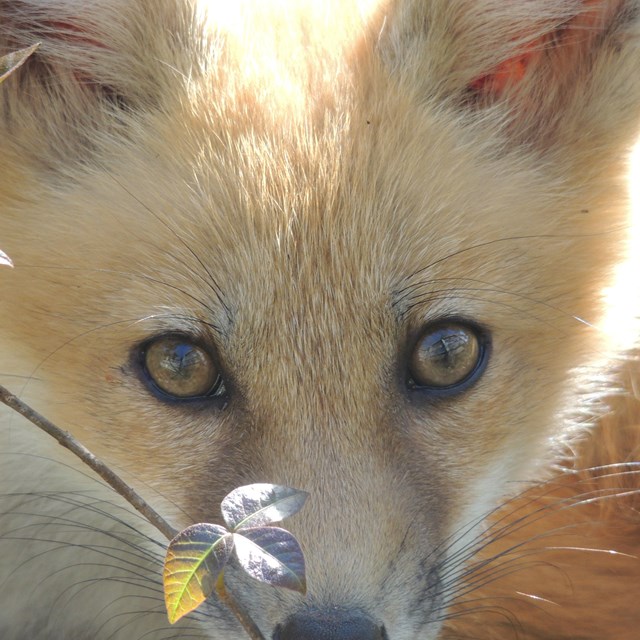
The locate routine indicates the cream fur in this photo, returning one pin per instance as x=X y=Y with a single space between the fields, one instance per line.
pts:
x=302 y=186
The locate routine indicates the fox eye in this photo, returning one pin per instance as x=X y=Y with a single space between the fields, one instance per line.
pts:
x=180 y=368
x=446 y=355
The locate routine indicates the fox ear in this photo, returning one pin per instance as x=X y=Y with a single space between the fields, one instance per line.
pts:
x=96 y=62
x=574 y=79
x=551 y=68
x=81 y=46
x=559 y=50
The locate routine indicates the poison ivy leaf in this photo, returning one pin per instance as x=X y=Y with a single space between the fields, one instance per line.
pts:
x=196 y=557
x=256 y=505
x=271 y=555
x=194 y=560
x=5 y=259
x=11 y=61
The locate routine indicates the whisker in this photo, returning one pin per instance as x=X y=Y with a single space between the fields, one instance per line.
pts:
x=211 y=282
x=490 y=243
x=488 y=287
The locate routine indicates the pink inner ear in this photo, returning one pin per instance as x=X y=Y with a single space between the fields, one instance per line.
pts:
x=508 y=73
x=573 y=38
x=71 y=32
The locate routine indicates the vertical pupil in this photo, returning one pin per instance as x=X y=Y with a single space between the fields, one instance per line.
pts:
x=180 y=367
x=181 y=359
x=447 y=347
x=445 y=356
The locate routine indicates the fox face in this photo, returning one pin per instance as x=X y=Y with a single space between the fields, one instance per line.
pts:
x=359 y=250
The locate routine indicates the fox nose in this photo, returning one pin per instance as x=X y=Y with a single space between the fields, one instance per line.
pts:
x=329 y=624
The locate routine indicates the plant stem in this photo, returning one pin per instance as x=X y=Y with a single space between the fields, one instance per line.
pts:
x=237 y=609
x=69 y=442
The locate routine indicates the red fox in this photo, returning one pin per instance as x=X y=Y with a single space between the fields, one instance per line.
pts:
x=383 y=251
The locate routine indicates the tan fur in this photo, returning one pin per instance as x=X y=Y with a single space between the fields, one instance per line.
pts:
x=303 y=186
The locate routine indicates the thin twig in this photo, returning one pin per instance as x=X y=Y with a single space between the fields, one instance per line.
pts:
x=237 y=609
x=69 y=442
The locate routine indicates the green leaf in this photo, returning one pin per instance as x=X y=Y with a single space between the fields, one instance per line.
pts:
x=5 y=259
x=271 y=555
x=11 y=61
x=195 y=558
x=256 y=505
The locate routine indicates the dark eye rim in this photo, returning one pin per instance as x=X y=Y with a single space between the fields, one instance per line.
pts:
x=483 y=336
x=218 y=392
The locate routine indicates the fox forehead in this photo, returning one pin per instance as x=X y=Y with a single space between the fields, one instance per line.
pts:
x=289 y=185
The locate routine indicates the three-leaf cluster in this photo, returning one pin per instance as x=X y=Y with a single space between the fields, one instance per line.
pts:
x=197 y=556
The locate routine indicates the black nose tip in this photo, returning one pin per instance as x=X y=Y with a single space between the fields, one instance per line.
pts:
x=329 y=624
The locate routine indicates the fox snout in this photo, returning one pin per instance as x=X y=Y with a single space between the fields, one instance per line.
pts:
x=330 y=624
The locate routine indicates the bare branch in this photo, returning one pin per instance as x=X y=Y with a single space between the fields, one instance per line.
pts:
x=69 y=442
